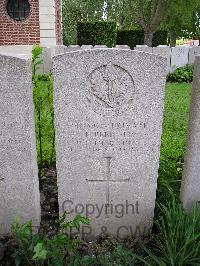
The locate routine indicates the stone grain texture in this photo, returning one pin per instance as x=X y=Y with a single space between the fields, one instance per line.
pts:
x=165 y=51
x=108 y=119
x=190 y=189
x=19 y=186
x=144 y=48
x=193 y=52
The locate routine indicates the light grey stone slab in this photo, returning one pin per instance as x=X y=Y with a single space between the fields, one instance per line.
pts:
x=72 y=48
x=108 y=119
x=58 y=49
x=190 y=189
x=16 y=49
x=19 y=186
x=165 y=51
x=85 y=47
x=100 y=46
x=179 y=57
x=46 y=56
x=144 y=48
x=193 y=52
x=122 y=47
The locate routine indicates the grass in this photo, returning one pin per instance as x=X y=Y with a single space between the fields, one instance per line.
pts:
x=176 y=113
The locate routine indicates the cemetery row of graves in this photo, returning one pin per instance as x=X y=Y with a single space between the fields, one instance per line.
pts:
x=91 y=134
x=177 y=57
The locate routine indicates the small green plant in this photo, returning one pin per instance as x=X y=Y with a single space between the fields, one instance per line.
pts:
x=36 y=249
x=44 y=112
x=36 y=60
x=182 y=74
x=178 y=241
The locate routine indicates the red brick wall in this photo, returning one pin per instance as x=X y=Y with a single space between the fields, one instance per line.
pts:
x=20 y=32
x=58 y=22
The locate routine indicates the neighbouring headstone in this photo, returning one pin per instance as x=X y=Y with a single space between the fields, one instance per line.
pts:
x=190 y=189
x=165 y=51
x=194 y=51
x=46 y=66
x=57 y=49
x=144 y=48
x=19 y=186
x=85 y=47
x=108 y=119
x=122 y=47
x=71 y=48
x=100 y=46
x=179 y=57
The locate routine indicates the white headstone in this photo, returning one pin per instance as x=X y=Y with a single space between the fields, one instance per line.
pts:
x=108 y=119
x=100 y=46
x=144 y=48
x=194 y=51
x=122 y=47
x=71 y=48
x=179 y=57
x=190 y=189
x=57 y=49
x=19 y=186
x=85 y=47
x=165 y=51
x=46 y=67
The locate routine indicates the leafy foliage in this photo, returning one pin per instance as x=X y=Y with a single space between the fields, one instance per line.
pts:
x=97 y=33
x=36 y=249
x=44 y=113
x=182 y=74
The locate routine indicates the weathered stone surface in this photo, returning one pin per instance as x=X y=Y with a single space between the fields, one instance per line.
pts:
x=16 y=49
x=58 y=49
x=122 y=47
x=19 y=187
x=100 y=46
x=194 y=51
x=71 y=48
x=46 y=67
x=108 y=118
x=85 y=47
x=179 y=57
x=190 y=189
x=165 y=51
x=144 y=48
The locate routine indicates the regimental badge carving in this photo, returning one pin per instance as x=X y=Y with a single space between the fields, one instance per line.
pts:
x=109 y=90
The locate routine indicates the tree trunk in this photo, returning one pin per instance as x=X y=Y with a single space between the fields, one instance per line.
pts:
x=172 y=38
x=148 y=37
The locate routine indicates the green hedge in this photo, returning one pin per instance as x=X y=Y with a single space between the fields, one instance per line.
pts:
x=97 y=33
x=136 y=37
x=159 y=38
x=130 y=37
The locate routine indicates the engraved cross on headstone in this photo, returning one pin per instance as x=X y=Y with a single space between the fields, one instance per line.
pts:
x=108 y=179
